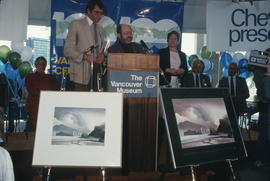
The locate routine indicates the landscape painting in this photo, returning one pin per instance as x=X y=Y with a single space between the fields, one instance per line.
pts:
x=78 y=126
x=202 y=122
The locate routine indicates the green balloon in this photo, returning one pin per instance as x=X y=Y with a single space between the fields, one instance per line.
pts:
x=205 y=53
x=15 y=59
x=24 y=69
x=191 y=58
x=4 y=51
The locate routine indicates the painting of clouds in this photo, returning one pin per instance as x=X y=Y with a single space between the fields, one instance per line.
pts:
x=78 y=126
x=202 y=122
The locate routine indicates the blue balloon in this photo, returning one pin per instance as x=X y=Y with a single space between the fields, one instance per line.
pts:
x=20 y=81
x=10 y=72
x=2 y=66
x=242 y=65
x=245 y=74
x=225 y=72
x=225 y=59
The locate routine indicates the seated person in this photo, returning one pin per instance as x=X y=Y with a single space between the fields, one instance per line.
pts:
x=237 y=87
x=172 y=61
x=125 y=44
x=3 y=101
x=195 y=78
x=6 y=166
x=34 y=83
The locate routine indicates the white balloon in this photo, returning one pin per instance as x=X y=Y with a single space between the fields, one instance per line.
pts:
x=26 y=54
x=238 y=56
x=17 y=46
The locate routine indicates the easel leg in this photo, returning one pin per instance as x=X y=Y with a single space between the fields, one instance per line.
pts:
x=103 y=174
x=49 y=172
x=231 y=168
x=192 y=173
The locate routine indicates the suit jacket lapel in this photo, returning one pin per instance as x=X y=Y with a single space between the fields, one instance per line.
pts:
x=86 y=28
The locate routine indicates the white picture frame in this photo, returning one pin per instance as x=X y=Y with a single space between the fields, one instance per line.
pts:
x=79 y=129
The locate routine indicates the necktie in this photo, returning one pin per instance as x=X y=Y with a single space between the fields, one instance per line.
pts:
x=197 y=80
x=232 y=87
x=95 y=38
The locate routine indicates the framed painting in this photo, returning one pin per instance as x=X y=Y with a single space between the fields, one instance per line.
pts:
x=201 y=125
x=79 y=129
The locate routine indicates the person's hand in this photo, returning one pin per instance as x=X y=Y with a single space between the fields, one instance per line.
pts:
x=180 y=71
x=99 y=59
x=171 y=70
x=87 y=58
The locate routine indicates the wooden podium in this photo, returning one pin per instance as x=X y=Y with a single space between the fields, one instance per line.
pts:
x=140 y=112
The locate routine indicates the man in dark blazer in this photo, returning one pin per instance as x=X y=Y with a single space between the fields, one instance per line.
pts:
x=237 y=87
x=165 y=60
x=125 y=44
x=196 y=78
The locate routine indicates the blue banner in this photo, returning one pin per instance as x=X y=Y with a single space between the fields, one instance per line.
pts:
x=151 y=21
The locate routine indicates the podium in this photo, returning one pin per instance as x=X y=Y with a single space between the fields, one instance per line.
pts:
x=136 y=75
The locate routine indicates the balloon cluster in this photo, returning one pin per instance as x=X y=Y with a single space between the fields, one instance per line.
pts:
x=15 y=63
x=242 y=62
x=204 y=57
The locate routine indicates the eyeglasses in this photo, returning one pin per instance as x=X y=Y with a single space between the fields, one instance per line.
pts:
x=98 y=12
x=175 y=39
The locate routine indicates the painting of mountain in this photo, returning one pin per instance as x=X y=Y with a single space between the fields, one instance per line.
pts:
x=202 y=122
x=80 y=126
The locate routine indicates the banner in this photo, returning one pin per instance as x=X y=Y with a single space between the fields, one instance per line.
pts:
x=238 y=26
x=151 y=21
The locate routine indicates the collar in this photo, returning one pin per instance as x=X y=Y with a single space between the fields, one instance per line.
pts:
x=90 y=22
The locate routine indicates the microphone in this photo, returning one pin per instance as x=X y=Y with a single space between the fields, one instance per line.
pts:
x=89 y=49
x=145 y=47
x=163 y=75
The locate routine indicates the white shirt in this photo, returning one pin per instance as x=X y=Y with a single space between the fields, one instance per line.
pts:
x=6 y=166
x=90 y=22
x=175 y=62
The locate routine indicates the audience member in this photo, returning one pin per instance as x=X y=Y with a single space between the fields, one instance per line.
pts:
x=83 y=34
x=237 y=87
x=6 y=166
x=262 y=82
x=125 y=44
x=3 y=101
x=34 y=83
x=173 y=62
x=196 y=78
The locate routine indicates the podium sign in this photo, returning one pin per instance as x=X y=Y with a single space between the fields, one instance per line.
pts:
x=134 y=84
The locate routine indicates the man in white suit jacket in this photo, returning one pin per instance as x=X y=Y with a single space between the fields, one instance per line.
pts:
x=81 y=36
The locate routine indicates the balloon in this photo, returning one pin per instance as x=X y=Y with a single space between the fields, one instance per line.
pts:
x=237 y=57
x=14 y=59
x=205 y=53
x=17 y=46
x=208 y=65
x=242 y=65
x=191 y=59
x=245 y=74
x=20 y=81
x=26 y=54
x=10 y=72
x=24 y=69
x=2 y=67
x=225 y=72
x=225 y=59
x=203 y=66
x=4 y=51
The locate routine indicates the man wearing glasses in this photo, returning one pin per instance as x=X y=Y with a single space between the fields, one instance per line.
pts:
x=85 y=36
x=125 y=44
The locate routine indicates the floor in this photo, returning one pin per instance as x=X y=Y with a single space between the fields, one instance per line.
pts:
x=244 y=169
